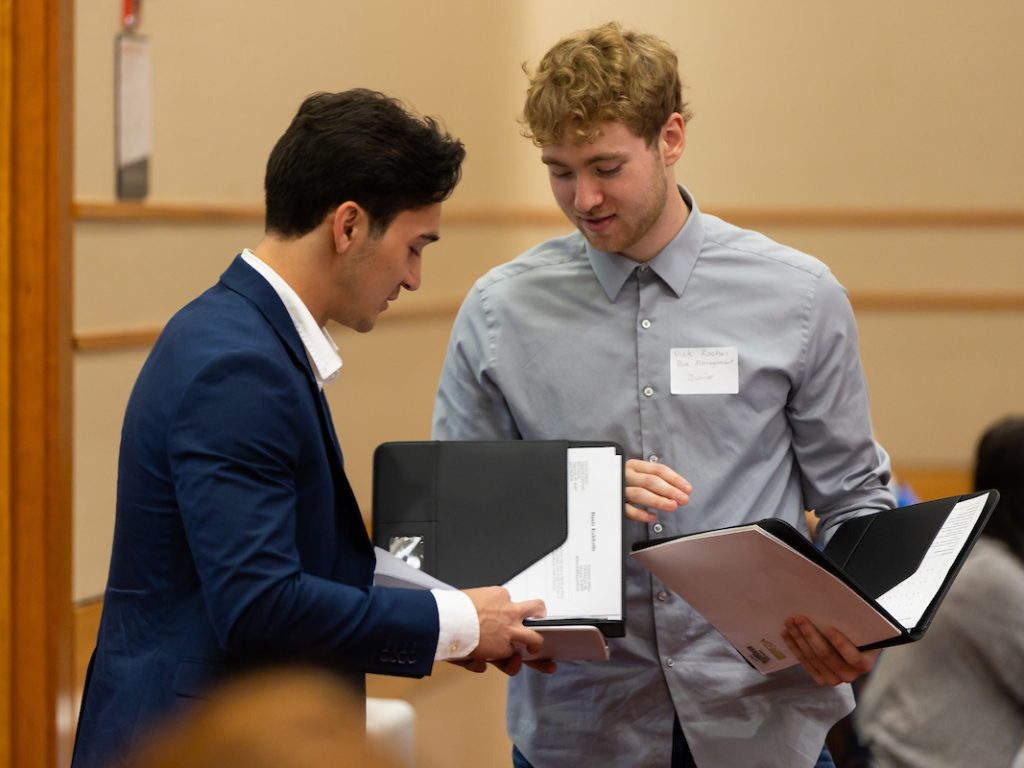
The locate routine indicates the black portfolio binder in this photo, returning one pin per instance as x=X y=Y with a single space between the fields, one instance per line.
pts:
x=477 y=513
x=781 y=571
x=877 y=552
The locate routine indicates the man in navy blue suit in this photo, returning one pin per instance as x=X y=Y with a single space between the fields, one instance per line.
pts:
x=238 y=542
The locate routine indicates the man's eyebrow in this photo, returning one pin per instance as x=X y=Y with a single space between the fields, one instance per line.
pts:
x=604 y=157
x=429 y=237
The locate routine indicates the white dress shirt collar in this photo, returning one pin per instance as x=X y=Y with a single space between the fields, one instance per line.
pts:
x=320 y=347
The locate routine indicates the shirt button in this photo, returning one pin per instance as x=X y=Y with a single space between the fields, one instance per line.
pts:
x=670 y=662
x=453 y=647
x=663 y=596
x=653 y=458
x=657 y=527
x=643 y=267
x=645 y=323
x=648 y=391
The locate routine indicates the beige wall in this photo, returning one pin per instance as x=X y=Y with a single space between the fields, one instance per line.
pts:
x=911 y=105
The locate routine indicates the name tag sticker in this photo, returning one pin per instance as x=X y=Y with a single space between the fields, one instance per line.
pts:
x=705 y=371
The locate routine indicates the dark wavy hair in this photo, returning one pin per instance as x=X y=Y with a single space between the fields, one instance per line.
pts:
x=359 y=146
x=999 y=464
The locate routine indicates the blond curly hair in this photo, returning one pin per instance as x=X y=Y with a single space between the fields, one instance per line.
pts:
x=605 y=74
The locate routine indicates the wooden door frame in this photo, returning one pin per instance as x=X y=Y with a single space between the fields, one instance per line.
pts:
x=35 y=382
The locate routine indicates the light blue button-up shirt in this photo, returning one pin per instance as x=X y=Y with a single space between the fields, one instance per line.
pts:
x=569 y=342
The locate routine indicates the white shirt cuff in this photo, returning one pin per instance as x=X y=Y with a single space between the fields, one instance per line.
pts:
x=460 y=627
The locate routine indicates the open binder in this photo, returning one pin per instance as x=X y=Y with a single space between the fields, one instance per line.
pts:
x=879 y=581
x=543 y=518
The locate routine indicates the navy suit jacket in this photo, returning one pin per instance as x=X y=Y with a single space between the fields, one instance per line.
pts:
x=238 y=541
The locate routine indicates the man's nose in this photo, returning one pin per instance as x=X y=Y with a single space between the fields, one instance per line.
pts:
x=414 y=278
x=588 y=194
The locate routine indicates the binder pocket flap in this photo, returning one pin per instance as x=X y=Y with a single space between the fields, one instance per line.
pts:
x=496 y=524
x=879 y=551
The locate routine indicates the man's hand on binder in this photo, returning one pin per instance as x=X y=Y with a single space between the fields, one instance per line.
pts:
x=649 y=484
x=502 y=633
x=828 y=656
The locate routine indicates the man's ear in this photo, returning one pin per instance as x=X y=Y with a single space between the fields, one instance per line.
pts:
x=672 y=140
x=349 y=225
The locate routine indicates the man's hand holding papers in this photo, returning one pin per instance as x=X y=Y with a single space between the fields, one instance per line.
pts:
x=503 y=637
x=829 y=657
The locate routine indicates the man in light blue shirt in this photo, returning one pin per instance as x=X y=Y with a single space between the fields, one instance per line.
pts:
x=601 y=335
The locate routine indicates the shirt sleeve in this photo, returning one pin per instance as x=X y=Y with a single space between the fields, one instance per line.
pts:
x=460 y=627
x=469 y=403
x=844 y=470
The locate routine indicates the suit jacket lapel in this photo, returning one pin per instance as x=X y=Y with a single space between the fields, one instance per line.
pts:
x=245 y=280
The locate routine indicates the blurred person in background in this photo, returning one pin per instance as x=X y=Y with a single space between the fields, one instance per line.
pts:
x=286 y=718
x=956 y=697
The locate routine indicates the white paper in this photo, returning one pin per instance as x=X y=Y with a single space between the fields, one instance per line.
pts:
x=583 y=577
x=909 y=599
x=392 y=571
x=704 y=371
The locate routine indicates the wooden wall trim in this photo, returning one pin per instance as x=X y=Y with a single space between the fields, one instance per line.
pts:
x=134 y=337
x=115 y=339
x=36 y=204
x=107 y=339
x=927 y=217
x=936 y=301
x=156 y=213
x=6 y=407
x=747 y=216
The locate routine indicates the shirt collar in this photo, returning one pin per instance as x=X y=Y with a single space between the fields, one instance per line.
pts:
x=673 y=264
x=320 y=347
